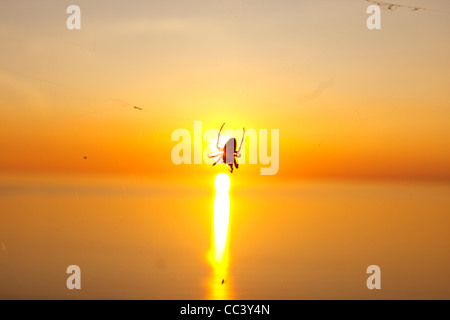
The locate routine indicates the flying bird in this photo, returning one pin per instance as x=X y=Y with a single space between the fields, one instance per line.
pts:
x=393 y=6
x=126 y=104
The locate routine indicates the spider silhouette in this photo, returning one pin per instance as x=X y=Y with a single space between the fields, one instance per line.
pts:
x=228 y=154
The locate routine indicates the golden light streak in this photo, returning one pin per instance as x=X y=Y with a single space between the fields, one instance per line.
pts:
x=219 y=285
x=221 y=216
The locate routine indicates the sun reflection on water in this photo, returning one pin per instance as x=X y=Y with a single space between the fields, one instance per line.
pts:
x=219 y=287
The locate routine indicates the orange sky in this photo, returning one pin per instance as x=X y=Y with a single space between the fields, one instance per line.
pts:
x=349 y=102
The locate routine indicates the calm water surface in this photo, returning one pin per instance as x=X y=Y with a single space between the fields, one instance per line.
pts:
x=147 y=240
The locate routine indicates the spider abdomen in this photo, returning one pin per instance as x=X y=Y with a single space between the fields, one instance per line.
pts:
x=229 y=151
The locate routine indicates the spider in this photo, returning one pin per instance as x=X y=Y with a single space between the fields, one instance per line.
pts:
x=228 y=154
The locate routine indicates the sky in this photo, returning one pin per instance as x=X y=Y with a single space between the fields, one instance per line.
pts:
x=349 y=103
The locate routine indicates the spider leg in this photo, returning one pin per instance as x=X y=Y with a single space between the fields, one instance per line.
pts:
x=217 y=161
x=231 y=168
x=213 y=156
x=236 y=164
x=242 y=141
x=218 y=138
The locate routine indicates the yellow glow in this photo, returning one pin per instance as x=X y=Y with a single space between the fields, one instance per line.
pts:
x=222 y=184
x=219 y=285
x=221 y=215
